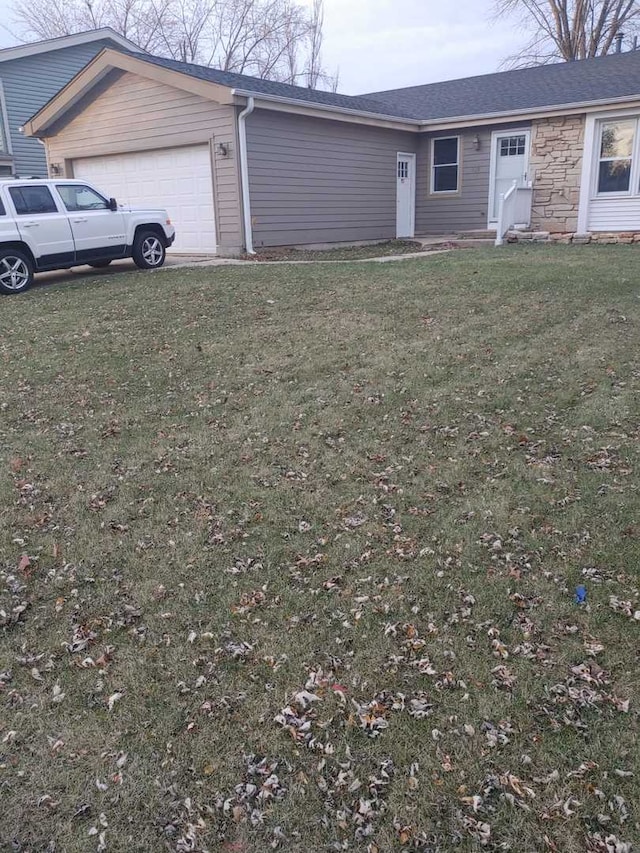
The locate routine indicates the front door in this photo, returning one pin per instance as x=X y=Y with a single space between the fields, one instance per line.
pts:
x=406 y=195
x=509 y=163
x=97 y=230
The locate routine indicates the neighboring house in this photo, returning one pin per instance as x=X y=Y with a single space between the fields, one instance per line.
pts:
x=30 y=75
x=242 y=163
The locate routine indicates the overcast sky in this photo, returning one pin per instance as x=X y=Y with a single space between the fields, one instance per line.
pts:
x=385 y=44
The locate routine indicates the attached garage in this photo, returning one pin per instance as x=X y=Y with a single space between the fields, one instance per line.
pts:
x=176 y=179
x=156 y=138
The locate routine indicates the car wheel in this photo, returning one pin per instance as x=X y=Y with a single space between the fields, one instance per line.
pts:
x=16 y=271
x=100 y=264
x=148 y=250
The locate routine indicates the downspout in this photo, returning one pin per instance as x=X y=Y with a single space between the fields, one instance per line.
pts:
x=244 y=175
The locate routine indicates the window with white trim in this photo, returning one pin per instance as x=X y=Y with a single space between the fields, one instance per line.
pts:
x=445 y=164
x=616 y=154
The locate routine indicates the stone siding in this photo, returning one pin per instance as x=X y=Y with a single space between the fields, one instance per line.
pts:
x=556 y=165
x=576 y=239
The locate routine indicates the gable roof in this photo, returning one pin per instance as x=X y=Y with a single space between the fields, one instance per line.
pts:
x=567 y=86
x=257 y=86
x=33 y=48
x=604 y=78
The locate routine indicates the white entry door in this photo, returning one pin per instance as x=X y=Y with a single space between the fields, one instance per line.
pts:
x=509 y=163
x=177 y=180
x=406 y=195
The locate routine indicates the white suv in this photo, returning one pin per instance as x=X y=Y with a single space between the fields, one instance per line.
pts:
x=57 y=224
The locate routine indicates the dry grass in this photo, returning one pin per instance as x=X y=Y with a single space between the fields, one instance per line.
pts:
x=381 y=482
x=340 y=253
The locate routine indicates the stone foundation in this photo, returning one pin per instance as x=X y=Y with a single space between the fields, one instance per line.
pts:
x=555 y=169
x=572 y=237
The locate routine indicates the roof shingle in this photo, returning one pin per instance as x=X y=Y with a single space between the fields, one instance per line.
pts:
x=600 y=79
x=282 y=90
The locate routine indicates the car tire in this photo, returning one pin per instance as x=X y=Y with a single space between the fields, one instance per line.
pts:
x=98 y=265
x=16 y=271
x=148 y=250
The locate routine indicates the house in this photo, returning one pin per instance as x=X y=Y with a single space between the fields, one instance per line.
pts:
x=243 y=163
x=30 y=75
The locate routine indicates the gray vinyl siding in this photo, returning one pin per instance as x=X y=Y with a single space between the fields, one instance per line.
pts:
x=321 y=181
x=28 y=84
x=468 y=209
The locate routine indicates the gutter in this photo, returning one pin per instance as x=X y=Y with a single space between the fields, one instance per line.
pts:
x=244 y=173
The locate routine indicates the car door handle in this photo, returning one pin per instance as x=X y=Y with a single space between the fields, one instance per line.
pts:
x=30 y=224
x=79 y=221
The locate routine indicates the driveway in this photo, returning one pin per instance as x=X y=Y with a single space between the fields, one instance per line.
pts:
x=123 y=266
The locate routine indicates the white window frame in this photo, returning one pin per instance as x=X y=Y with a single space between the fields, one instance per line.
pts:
x=591 y=159
x=457 y=164
x=634 y=175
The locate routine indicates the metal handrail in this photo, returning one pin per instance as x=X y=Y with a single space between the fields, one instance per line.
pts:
x=505 y=210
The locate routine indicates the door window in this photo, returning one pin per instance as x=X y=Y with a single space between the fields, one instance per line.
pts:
x=32 y=200
x=403 y=169
x=513 y=146
x=79 y=198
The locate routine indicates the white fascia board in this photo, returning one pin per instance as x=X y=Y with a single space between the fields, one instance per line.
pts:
x=23 y=50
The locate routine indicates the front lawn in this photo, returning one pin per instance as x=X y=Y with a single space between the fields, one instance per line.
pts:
x=289 y=557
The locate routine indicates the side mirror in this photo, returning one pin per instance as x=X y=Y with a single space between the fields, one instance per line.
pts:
x=113 y=204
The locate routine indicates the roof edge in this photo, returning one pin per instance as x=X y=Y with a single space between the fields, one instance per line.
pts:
x=48 y=45
x=297 y=102
x=529 y=112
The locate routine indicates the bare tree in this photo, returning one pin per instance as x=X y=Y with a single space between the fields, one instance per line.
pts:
x=274 y=39
x=138 y=20
x=306 y=68
x=565 y=30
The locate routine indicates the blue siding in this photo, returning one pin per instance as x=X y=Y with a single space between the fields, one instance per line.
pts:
x=28 y=84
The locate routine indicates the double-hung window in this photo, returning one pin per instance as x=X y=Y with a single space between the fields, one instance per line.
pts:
x=616 y=156
x=445 y=168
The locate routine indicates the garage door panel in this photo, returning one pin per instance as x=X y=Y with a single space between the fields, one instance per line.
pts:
x=176 y=179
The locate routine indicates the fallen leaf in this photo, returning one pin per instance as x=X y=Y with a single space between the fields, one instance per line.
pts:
x=115 y=697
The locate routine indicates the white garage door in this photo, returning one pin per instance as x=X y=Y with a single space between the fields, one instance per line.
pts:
x=176 y=179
